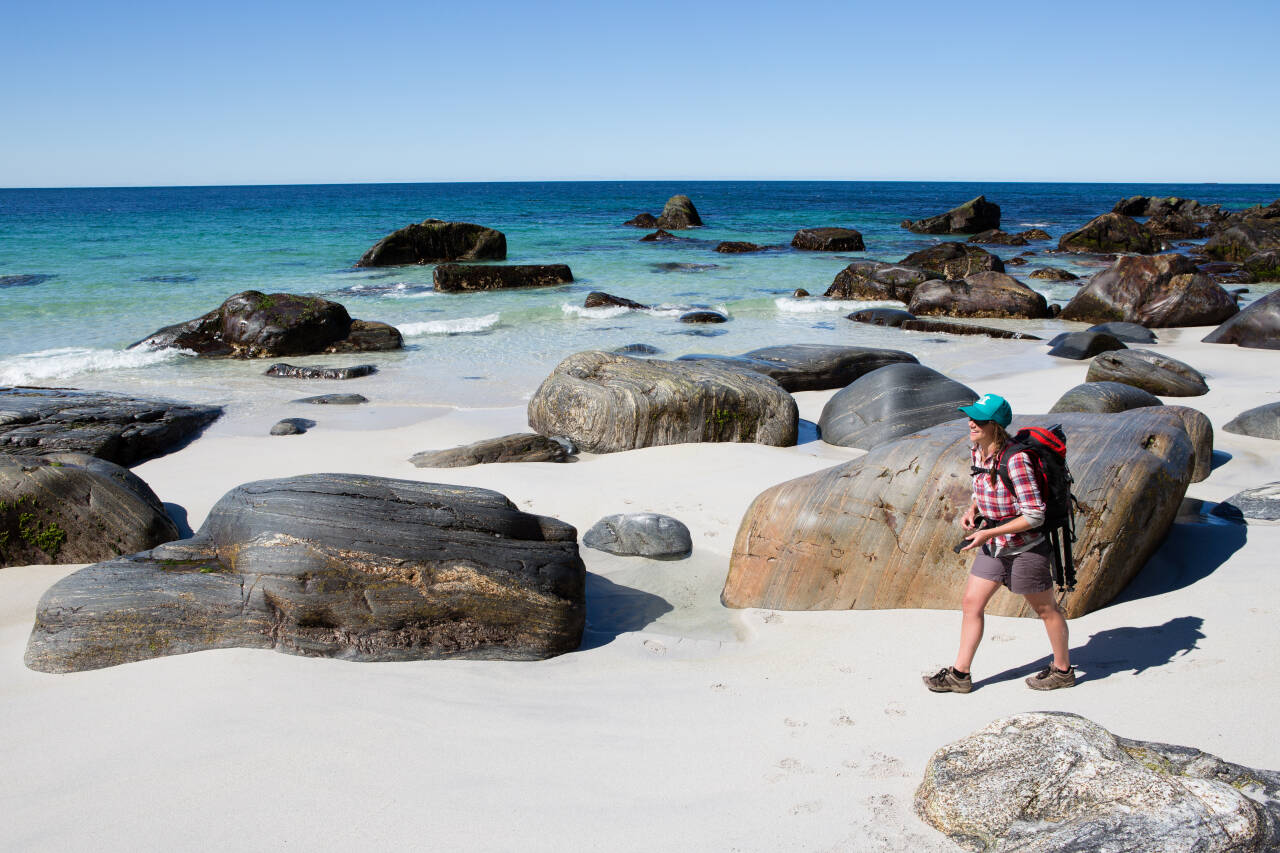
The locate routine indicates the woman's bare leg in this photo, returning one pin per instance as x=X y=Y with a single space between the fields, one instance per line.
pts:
x=1046 y=607
x=977 y=592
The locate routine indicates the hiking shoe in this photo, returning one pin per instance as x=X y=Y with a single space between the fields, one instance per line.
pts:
x=1051 y=679
x=946 y=681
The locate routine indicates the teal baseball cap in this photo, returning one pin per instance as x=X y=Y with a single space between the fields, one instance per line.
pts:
x=990 y=407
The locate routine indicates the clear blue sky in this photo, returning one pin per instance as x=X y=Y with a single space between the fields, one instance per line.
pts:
x=149 y=93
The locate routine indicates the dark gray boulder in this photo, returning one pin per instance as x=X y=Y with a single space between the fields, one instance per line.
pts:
x=980 y=294
x=334 y=400
x=953 y=328
x=952 y=260
x=120 y=429
x=640 y=534
x=1260 y=502
x=737 y=247
x=25 y=279
x=877 y=280
x=292 y=426
x=459 y=278
x=293 y=371
x=703 y=316
x=1264 y=266
x=517 y=447
x=1159 y=291
x=1110 y=232
x=1150 y=371
x=1243 y=240
x=1046 y=782
x=1257 y=326
x=809 y=367
x=268 y=325
x=892 y=317
x=637 y=349
x=330 y=565
x=891 y=402
x=600 y=299
x=1053 y=274
x=1174 y=226
x=642 y=220
x=661 y=236
x=1016 y=261
x=678 y=213
x=1082 y=345
x=433 y=241
x=1130 y=333
x=75 y=508
x=996 y=237
x=973 y=216
x=606 y=403
x=1104 y=397
x=1259 y=422
x=828 y=240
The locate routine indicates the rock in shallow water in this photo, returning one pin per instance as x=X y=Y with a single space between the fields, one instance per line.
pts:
x=293 y=371
x=334 y=400
x=330 y=565
x=1257 y=326
x=828 y=240
x=640 y=534
x=973 y=216
x=1160 y=291
x=433 y=241
x=460 y=278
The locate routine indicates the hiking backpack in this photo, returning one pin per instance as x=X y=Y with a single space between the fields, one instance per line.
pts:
x=1046 y=449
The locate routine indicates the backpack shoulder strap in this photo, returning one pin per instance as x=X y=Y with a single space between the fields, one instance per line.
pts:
x=1012 y=449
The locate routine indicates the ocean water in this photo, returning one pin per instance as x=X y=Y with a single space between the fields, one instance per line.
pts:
x=106 y=267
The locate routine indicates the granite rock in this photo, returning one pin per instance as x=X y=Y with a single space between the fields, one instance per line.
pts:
x=1160 y=291
x=809 y=367
x=1150 y=371
x=1103 y=398
x=828 y=240
x=1110 y=232
x=1130 y=333
x=888 y=403
x=1257 y=326
x=952 y=260
x=433 y=241
x=293 y=371
x=876 y=280
x=518 y=447
x=980 y=294
x=1082 y=345
x=973 y=216
x=1261 y=503
x=1259 y=422
x=461 y=278
x=640 y=534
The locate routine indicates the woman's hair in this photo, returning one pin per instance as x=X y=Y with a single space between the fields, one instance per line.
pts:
x=1002 y=439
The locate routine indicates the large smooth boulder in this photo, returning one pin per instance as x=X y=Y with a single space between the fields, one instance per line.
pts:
x=268 y=325
x=876 y=280
x=330 y=565
x=1130 y=333
x=1150 y=371
x=75 y=508
x=952 y=260
x=891 y=402
x=949 y=327
x=457 y=278
x=1174 y=226
x=433 y=241
x=1260 y=502
x=1259 y=422
x=605 y=403
x=809 y=367
x=1082 y=345
x=1244 y=239
x=1104 y=398
x=1257 y=326
x=640 y=534
x=1110 y=232
x=1046 y=782
x=678 y=213
x=996 y=237
x=600 y=299
x=974 y=215
x=120 y=429
x=642 y=220
x=981 y=294
x=517 y=447
x=1159 y=291
x=828 y=240
x=877 y=532
x=891 y=317
x=1053 y=274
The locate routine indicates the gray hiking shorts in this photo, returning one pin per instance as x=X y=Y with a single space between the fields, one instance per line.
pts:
x=1024 y=574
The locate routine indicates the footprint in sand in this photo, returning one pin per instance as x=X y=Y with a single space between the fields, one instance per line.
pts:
x=807 y=808
x=895 y=709
x=1003 y=638
x=886 y=766
x=772 y=618
x=655 y=647
x=846 y=669
x=795 y=724
x=789 y=764
x=719 y=688
x=843 y=720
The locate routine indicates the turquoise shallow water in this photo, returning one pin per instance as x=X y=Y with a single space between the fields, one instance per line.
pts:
x=124 y=262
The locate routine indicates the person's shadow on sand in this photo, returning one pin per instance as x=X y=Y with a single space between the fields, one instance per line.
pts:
x=1118 y=650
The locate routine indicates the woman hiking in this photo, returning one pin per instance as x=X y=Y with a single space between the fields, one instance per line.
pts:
x=1010 y=550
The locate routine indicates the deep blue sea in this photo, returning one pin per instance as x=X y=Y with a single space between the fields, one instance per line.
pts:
x=113 y=265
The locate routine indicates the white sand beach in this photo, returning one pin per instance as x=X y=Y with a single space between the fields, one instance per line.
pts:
x=680 y=724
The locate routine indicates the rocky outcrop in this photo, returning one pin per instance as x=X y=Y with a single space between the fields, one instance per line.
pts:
x=367 y=336
x=1149 y=371
x=640 y=534
x=996 y=237
x=75 y=508
x=1104 y=398
x=1264 y=266
x=891 y=317
x=120 y=429
x=1053 y=274
x=293 y=371
x=981 y=294
x=518 y=447
x=459 y=278
x=952 y=260
x=642 y=220
x=678 y=213
x=1110 y=232
x=950 y=328
x=876 y=280
x=1130 y=333
x=1257 y=326
x=1247 y=238
x=1259 y=422
x=737 y=247
x=330 y=565
x=433 y=241
x=1046 y=782
x=606 y=403
x=1082 y=345
x=809 y=367
x=1261 y=503
x=828 y=240
x=269 y=325
x=1174 y=226
x=877 y=532
x=973 y=216
x=1141 y=205
x=1160 y=291
x=661 y=236
x=599 y=299
x=891 y=402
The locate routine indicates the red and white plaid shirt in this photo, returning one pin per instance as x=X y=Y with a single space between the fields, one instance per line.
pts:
x=997 y=504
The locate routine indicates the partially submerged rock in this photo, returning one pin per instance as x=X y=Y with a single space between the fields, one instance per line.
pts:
x=1053 y=274
x=640 y=534
x=952 y=260
x=1243 y=240
x=1104 y=398
x=517 y=447
x=459 y=278
x=1082 y=345
x=1110 y=232
x=888 y=403
x=600 y=299
x=334 y=400
x=606 y=403
x=330 y=565
x=1264 y=266
x=661 y=236
x=1259 y=422
x=703 y=316
x=1160 y=291
x=268 y=325
x=678 y=213
x=292 y=426
x=877 y=532
x=877 y=280
x=828 y=240
x=316 y=371
x=1150 y=371
x=981 y=294
x=1046 y=782
x=892 y=317
x=737 y=247
x=1257 y=326
x=996 y=237
x=75 y=508
x=973 y=216
x=120 y=429
x=809 y=367
x=953 y=328
x=433 y=241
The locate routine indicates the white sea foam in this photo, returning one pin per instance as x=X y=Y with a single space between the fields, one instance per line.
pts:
x=666 y=309
x=36 y=367
x=1034 y=224
x=459 y=326
x=812 y=305
x=599 y=313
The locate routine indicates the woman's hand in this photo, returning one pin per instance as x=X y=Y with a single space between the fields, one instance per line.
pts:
x=969 y=520
x=978 y=539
